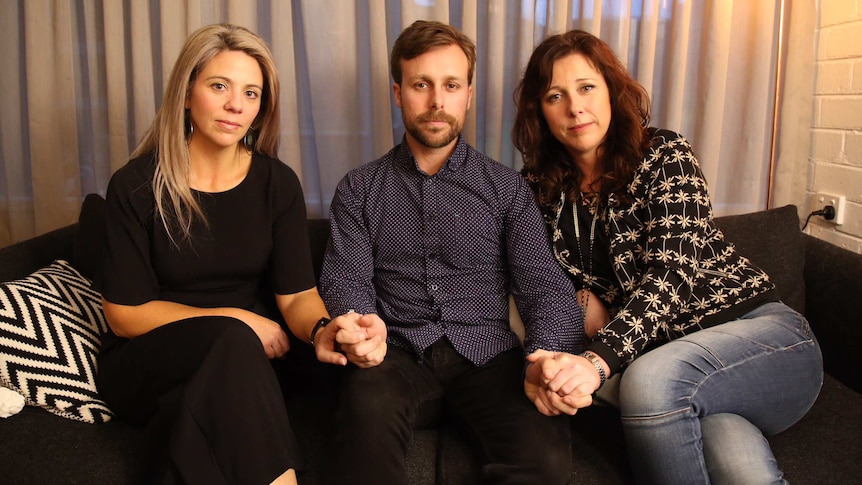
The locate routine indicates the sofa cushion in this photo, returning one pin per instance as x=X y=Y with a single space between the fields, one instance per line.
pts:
x=24 y=257
x=50 y=328
x=780 y=250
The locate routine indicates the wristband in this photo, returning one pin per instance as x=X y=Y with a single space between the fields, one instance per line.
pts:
x=317 y=326
x=594 y=359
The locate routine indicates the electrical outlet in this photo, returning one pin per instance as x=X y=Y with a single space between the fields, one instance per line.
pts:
x=837 y=201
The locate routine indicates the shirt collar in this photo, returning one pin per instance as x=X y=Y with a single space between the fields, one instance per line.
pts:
x=405 y=157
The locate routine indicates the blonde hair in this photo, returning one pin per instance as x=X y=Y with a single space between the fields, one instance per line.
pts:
x=166 y=139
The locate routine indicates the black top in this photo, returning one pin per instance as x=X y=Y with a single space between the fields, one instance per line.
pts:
x=254 y=242
x=600 y=252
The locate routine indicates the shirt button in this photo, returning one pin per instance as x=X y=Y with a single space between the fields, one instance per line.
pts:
x=433 y=287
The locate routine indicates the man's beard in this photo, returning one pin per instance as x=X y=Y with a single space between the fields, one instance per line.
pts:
x=437 y=138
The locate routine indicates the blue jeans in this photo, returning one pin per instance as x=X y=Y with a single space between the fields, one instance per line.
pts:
x=696 y=410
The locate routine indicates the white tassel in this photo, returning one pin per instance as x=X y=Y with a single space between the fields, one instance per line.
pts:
x=10 y=402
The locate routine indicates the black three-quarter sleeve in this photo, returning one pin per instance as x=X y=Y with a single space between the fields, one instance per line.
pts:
x=291 y=265
x=127 y=275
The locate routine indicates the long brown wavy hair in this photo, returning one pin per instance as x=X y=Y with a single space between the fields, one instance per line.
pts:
x=625 y=143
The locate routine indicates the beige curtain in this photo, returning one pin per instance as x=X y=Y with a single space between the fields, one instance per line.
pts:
x=84 y=78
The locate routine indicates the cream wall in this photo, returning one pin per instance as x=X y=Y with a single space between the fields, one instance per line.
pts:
x=835 y=156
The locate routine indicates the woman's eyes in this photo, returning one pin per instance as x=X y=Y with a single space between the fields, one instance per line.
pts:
x=586 y=88
x=250 y=94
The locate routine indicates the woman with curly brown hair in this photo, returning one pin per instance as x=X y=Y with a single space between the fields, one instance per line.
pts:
x=710 y=359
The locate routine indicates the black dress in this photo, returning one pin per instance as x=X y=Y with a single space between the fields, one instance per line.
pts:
x=204 y=386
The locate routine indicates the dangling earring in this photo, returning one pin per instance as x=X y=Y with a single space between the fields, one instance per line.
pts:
x=189 y=127
x=248 y=140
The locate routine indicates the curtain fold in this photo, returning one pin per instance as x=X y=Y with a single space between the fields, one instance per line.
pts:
x=16 y=196
x=52 y=102
x=90 y=75
x=119 y=122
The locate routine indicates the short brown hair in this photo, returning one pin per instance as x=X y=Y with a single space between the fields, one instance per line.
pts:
x=424 y=35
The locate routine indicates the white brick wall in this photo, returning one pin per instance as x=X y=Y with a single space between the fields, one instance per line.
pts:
x=836 y=134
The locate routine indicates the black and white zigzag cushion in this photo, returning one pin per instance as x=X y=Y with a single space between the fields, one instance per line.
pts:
x=50 y=331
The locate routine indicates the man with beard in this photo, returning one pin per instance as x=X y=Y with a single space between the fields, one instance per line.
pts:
x=427 y=243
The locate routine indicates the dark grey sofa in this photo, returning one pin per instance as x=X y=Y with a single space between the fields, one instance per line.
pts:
x=823 y=281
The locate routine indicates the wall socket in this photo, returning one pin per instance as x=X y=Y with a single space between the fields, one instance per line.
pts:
x=837 y=201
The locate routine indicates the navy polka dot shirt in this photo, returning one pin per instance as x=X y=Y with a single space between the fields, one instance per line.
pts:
x=439 y=255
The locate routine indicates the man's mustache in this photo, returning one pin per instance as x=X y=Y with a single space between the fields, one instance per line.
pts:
x=437 y=117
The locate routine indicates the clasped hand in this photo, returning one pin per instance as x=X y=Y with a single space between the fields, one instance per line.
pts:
x=361 y=340
x=559 y=382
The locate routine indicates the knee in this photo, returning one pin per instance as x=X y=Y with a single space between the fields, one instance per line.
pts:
x=220 y=336
x=657 y=383
x=642 y=391
x=228 y=341
x=233 y=333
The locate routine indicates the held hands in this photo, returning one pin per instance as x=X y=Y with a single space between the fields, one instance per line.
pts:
x=361 y=338
x=560 y=383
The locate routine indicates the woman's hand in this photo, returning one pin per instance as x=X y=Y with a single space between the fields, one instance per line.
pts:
x=559 y=382
x=363 y=340
x=273 y=338
x=540 y=370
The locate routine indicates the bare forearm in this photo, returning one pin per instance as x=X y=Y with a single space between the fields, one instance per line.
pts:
x=130 y=321
x=302 y=311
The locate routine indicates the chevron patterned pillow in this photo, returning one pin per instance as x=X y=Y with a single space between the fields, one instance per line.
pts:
x=50 y=331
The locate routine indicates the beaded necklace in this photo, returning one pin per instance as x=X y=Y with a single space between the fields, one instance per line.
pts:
x=585 y=264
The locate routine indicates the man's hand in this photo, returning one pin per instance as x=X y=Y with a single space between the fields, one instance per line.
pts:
x=558 y=382
x=539 y=372
x=325 y=345
x=363 y=340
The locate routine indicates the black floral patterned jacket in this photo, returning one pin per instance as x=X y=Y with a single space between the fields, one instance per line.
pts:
x=675 y=272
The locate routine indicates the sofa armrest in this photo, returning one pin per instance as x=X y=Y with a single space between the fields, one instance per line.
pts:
x=833 y=278
x=25 y=257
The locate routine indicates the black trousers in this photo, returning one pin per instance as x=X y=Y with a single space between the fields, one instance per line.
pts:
x=209 y=398
x=379 y=407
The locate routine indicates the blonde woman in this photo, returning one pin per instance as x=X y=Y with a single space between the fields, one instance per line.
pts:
x=207 y=257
